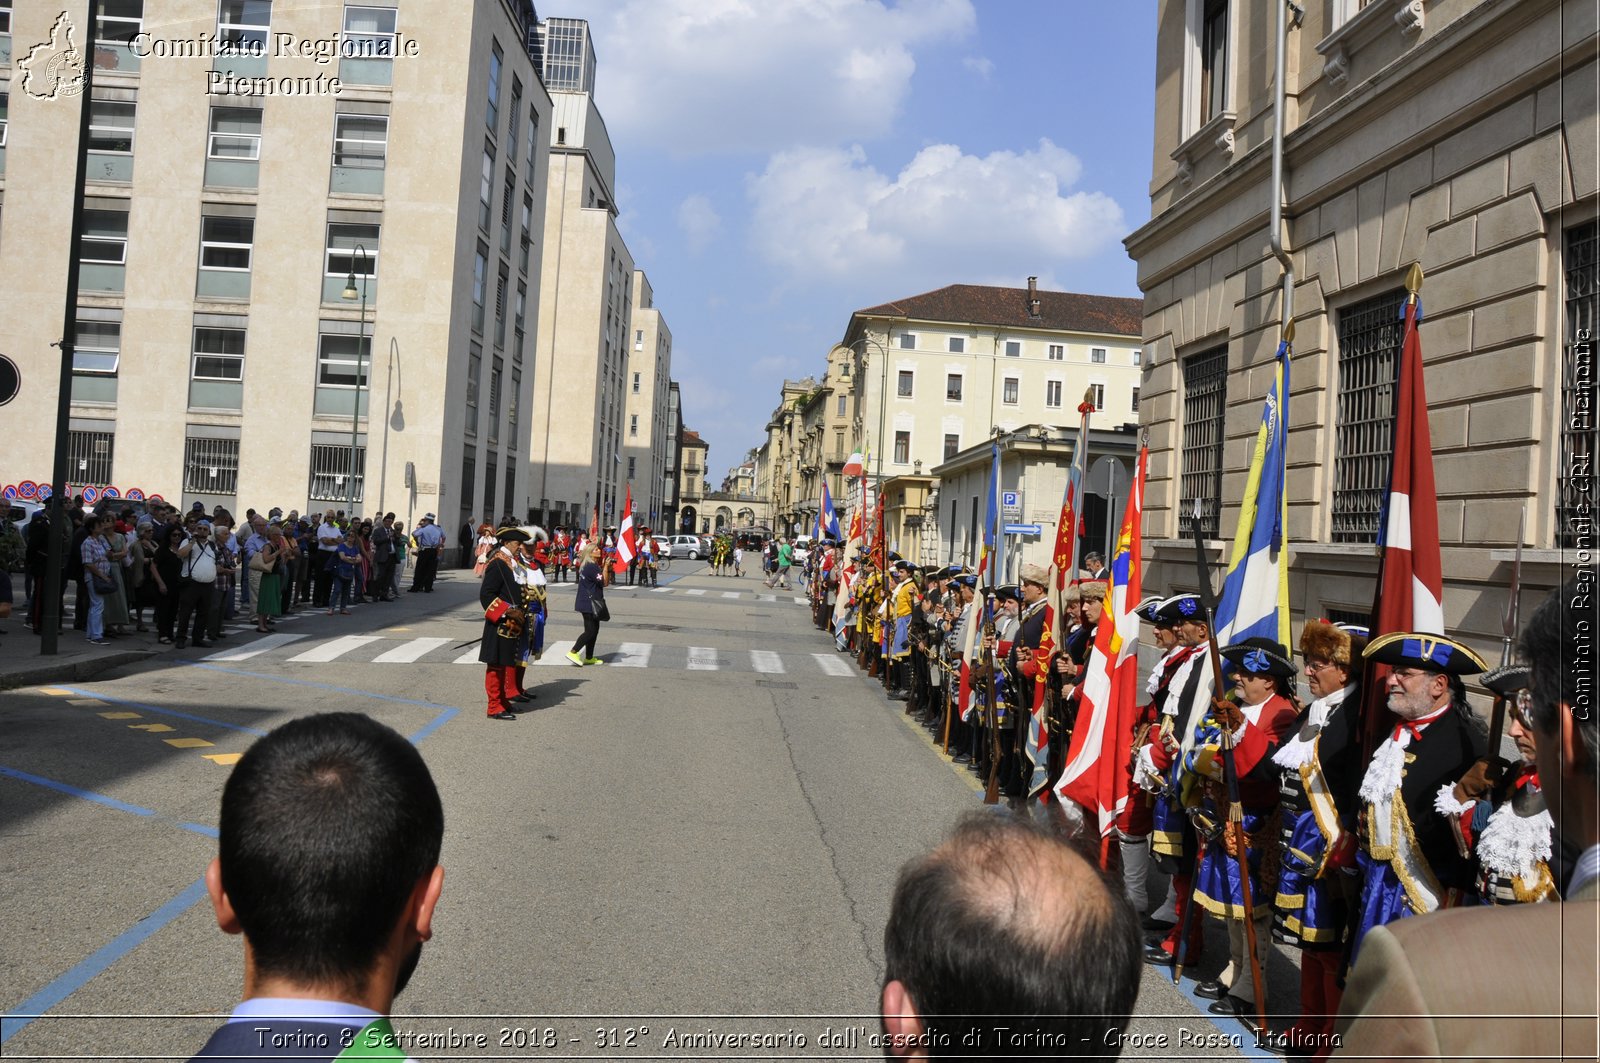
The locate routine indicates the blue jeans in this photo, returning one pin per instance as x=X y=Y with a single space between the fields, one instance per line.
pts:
x=97 y=609
x=339 y=596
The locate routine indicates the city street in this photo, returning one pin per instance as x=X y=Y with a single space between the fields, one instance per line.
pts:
x=699 y=837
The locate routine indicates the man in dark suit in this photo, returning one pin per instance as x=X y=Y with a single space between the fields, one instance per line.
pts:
x=1506 y=982
x=328 y=864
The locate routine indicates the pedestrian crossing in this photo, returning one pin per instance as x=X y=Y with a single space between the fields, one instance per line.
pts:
x=703 y=592
x=302 y=649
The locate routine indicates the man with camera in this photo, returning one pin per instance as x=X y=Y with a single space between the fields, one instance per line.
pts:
x=197 y=578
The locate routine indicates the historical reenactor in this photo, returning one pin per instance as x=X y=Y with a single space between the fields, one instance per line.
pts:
x=534 y=588
x=505 y=616
x=1028 y=662
x=1134 y=824
x=1262 y=674
x=1319 y=764
x=868 y=593
x=1506 y=824
x=1172 y=841
x=1409 y=862
x=897 y=620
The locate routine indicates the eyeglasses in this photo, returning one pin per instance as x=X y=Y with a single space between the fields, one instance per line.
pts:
x=1519 y=707
x=1317 y=666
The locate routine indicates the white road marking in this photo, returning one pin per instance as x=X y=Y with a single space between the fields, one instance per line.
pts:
x=695 y=592
x=730 y=594
x=802 y=601
x=333 y=649
x=631 y=655
x=255 y=649
x=470 y=657
x=659 y=590
x=407 y=652
x=831 y=664
x=767 y=597
x=766 y=661
x=703 y=659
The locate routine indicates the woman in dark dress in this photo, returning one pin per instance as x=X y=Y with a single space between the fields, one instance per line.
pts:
x=591 y=603
x=167 y=568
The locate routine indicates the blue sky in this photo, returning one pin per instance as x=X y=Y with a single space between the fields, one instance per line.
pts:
x=781 y=163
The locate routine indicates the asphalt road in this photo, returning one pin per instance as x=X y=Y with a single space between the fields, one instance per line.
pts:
x=699 y=837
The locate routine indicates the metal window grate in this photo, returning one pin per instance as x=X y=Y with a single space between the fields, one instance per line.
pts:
x=1369 y=372
x=491 y=482
x=1205 y=400
x=469 y=479
x=330 y=473
x=1347 y=616
x=210 y=466
x=89 y=457
x=1580 y=431
x=511 y=484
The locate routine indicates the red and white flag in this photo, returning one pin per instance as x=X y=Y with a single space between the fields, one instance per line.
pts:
x=627 y=544
x=854 y=466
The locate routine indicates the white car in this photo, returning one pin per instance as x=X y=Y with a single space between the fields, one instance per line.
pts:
x=801 y=550
x=663 y=545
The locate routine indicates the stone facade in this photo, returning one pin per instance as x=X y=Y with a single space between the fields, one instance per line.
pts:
x=649 y=378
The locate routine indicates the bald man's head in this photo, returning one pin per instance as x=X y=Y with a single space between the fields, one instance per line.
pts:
x=1005 y=925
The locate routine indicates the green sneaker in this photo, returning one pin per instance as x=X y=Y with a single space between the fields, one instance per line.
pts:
x=593 y=660
x=572 y=655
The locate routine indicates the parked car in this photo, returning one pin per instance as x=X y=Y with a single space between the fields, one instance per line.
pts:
x=663 y=545
x=688 y=546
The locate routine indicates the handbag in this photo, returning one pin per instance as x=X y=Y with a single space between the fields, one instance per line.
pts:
x=259 y=562
x=103 y=585
x=602 y=613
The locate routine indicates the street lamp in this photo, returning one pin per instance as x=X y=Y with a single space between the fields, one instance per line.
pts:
x=361 y=353
x=883 y=395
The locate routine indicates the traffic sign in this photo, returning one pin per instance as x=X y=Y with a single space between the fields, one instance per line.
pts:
x=1011 y=505
x=1023 y=529
x=10 y=380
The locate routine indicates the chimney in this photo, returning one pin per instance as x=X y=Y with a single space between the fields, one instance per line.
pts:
x=1033 y=296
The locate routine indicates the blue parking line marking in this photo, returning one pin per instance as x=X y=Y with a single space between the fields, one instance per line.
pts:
x=73 y=791
x=174 y=713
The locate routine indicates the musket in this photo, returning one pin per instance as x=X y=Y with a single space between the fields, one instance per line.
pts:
x=950 y=676
x=991 y=792
x=1508 y=630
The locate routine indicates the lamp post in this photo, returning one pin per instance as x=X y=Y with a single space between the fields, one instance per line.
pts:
x=883 y=398
x=361 y=353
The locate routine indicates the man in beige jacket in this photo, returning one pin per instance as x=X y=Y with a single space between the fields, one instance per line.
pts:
x=1506 y=982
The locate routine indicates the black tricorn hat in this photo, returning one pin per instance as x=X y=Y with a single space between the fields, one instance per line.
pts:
x=1260 y=656
x=1507 y=681
x=512 y=535
x=1180 y=608
x=1420 y=649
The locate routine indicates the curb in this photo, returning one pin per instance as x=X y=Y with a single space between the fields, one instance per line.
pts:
x=72 y=671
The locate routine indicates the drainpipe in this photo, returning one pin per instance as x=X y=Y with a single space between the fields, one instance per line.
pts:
x=1279 y=191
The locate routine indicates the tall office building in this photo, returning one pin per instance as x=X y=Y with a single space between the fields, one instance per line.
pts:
x=564 y=54
x=585 y=317
x=644 y=451
x=310 y=251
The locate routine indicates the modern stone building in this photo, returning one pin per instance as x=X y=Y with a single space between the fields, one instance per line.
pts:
x=692 y=454
x=644 y=452
x=1458 y=134
x=585 y=328
x=249 y=163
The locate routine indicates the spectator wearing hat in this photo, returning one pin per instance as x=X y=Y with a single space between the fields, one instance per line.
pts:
x=1262 y=675
x=1319 y=767
x=428 y=540
x=1409 y=863
x=1513 y=981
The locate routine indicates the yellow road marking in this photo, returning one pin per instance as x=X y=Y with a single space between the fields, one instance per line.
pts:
x=222 y=758
x=188 y=743
x=55 y=692
x=119 y=715
x=153 y=728
x=84 y=701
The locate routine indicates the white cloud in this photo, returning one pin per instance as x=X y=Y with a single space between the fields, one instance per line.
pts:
x=699 y=221
x=827 y=214
x=979 y=65
x=704 y=76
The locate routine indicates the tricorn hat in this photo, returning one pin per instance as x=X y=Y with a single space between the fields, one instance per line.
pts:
x=1181 y=608
x=1149 y=611
x=1508 y=681
x=1435 y=653
x=1260 y=656
x=512 y=535
x=1010 y=592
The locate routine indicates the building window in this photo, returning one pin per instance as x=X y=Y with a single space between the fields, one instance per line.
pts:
x=1213 y=58
x=360 y=141
x=492 y=115
x=235 y=134
x=474 y=375
x=511 y=411
x=633 y=424
x=1579 y=433
x=368 y=32
x=903 y=381
x=105 y=237
x=530 y=172
x=952 y=444
x=5 y=113
x=519 y=322
x=469 y=481
x=952 y=387
x=219 y=354
x=5 y=17
x=331 y=473
x=513 y=120
x=110 y=124
x=116 y=22
x=342 y=258
x=1008 y=391
x=479 y=264
x=1363 y=437
x=225 y=243
x=841 y=408
x=1138 y=357
x=342 y=361
x=908 y=341
x=1058 y=352
x=1134 y=403
x=210 y=466
x=98 y=348
x=958 y=345
x=638 y=339
x=486 y=187
x=1052 y=394
x=526 y=238
x=1205 y=396
x=496 y=372
x=89 y=456
x=1013 y=348
x=1097 y=395
x=242 y=26
x=902 y=447
x=1097 y=355
x=501 y=288
x=636 y=383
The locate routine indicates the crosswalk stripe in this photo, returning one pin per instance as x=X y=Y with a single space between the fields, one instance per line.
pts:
x=766 y=661
x=407 y=652
x=631 y=655
x=703 y=659
x=831 y=664
x=730 y=594
x=470 y=657
x=801 y=601
x=555 y=657
x=333 y=649
x=659 y=590
x=261 y=645
x=767 y=597
x=694 y=592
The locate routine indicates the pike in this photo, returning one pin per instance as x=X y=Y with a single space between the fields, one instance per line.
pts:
x=991 y=711
x=1508 y=630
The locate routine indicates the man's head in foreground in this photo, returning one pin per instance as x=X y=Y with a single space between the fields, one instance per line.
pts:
x=1559 y=644
x=328 y=860
x=1005 y=925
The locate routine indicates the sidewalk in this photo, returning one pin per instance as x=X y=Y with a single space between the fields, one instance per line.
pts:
x=75 y=660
